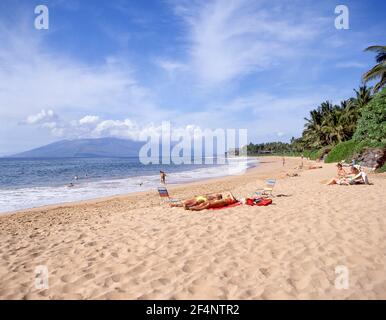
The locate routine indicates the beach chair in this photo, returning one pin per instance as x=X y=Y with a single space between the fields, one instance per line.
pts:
x=164 y=195
x=268 y=189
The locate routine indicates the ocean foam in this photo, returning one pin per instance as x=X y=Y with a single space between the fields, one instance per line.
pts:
x=25 y=198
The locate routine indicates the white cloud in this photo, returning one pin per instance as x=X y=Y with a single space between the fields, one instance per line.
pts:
x=89 y=120
x=41 y=117
x=263 y=102
x=49 y=125
x=351 y=64
x=94 y=127
x=170 y=66
x=118 y=128
x=33 y=77
x=233 y=38
x=133 y=130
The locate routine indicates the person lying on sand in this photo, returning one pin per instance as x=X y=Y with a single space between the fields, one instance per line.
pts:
x=197 y=200
x=292 y=175
x=315 y=166
x=226 y=200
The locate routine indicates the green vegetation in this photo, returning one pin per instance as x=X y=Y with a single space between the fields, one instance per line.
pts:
x=344 y=131
x=342 y=151
x=276 y=148
x=382 y=169
x=330 y=124
x=312 y=154
x=372 y=124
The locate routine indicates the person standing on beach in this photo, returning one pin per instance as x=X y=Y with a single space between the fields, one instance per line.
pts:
x=163 y=177
x=283 y=161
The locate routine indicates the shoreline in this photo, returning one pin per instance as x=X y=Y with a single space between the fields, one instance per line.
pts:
x=109 y=197
x=135 y=247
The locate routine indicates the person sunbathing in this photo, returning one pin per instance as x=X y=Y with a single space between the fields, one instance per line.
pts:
x=197 y=200
x=315 y=166
x=227 y=200
x=340 y=170
x=341 y=178
x=358 y=176
x=291 y=175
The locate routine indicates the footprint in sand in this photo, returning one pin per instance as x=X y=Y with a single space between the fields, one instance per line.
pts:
x=116 y=277
x=89 y=276
x=265 y=272
x=67 y=278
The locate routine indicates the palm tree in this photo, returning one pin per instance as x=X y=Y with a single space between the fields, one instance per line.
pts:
x=352 y=109
x=379 y=70
x=363 y=97
x=312 y=134
x=334 y=124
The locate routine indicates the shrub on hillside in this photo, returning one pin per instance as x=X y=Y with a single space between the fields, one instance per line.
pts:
x=372 y=124
x=342 y=151
x=311 y=154
x=349 y=150
x=382 y=169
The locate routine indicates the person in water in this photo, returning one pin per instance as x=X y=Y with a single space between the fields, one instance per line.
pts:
x=163 y=177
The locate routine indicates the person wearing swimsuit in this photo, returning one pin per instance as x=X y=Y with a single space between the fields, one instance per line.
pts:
x=227 y=200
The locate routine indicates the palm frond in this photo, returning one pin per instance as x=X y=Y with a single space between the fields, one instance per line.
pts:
x=377 y=49
x=374 y=72
x=381 y=83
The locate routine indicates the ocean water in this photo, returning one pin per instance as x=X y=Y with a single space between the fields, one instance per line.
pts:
x=30 y=183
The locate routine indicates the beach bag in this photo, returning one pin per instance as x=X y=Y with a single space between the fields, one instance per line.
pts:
x=264 y=202
x=258 y=201
x=250 y=202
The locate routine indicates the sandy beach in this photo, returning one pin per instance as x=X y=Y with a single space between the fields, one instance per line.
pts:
x=134 y=247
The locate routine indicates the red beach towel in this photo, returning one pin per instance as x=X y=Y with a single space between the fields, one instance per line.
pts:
x=228 y=206
x=259 y=202
x=264 y=202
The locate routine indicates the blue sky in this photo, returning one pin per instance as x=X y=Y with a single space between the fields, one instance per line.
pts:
x=118 y=68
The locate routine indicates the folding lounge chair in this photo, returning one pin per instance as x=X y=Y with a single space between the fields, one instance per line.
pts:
x=268 y=189
x=164 y=195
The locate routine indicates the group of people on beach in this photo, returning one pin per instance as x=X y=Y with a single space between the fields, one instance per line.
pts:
x=356 y=176
x=212 y=201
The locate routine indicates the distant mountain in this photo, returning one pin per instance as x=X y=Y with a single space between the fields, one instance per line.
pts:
x=89 y=148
